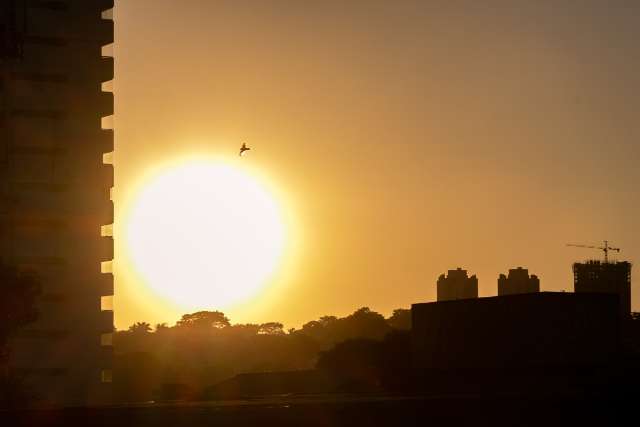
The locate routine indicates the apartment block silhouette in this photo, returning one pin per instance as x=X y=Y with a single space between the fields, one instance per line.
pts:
x=518 y=282
x=457 y=285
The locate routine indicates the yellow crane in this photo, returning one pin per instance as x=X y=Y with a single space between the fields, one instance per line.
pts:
x=606 y=248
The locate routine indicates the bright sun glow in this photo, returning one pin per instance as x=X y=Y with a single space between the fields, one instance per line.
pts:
x=205 y=234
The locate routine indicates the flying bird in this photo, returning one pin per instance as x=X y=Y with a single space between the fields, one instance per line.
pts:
x=243 y=149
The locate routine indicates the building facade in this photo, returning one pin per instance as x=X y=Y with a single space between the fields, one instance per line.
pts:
x=457 y=285
x=55 y=205
x=543 y=329
x=518 y=282
x=605 y=278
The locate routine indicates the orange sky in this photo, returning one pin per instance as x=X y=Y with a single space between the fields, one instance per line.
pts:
x=411 y=136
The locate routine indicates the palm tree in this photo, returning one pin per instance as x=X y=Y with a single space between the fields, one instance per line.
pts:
x=140 y=328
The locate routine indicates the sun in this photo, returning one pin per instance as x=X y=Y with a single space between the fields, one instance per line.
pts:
x=205 y=234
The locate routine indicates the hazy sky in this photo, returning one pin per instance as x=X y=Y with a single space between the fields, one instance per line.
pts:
x=410 y=137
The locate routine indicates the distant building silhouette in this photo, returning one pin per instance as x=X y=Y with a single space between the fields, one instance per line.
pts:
x=457 y=285
x=605 y=277
x=518 y=282
x=54 y=189
x=515 y=331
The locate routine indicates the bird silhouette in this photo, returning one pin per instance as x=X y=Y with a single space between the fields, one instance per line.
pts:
x=243 y=149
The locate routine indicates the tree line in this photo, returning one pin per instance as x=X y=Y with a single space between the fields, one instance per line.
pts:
x=204 y=348
x=364 y=350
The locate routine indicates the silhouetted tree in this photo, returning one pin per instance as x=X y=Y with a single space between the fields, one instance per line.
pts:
x=395 y=361
x=204 y=348
x=136 y=376
x=367 y=364
x=243 y=330
x=366 y=323
x=363 y=323
x=271 y=328
x=354 y=363
x=140 y=328
x=400 y=319
x=161 y=327
x=204 y=320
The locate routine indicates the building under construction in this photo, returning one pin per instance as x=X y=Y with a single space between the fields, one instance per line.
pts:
x=55 y=202
x=605 y=278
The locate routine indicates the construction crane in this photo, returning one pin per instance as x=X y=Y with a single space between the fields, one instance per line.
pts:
x=606 y=248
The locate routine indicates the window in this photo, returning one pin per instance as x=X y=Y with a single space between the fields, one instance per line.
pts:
x=108 y=14
x=106 y=267
x=106 y=375
x=106 y=303
x=106 y=339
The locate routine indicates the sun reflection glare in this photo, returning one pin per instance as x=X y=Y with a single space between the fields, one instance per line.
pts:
x=204 y=234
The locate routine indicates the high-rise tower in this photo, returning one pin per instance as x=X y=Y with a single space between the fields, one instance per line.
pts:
x=518 y=282
x=457 y=285
x=607 y=278
x=55 y=202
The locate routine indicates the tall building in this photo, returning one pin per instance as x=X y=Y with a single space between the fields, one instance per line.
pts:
x=457 y=285
x=55 y=206
x=518 y=282
x=605 y=277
